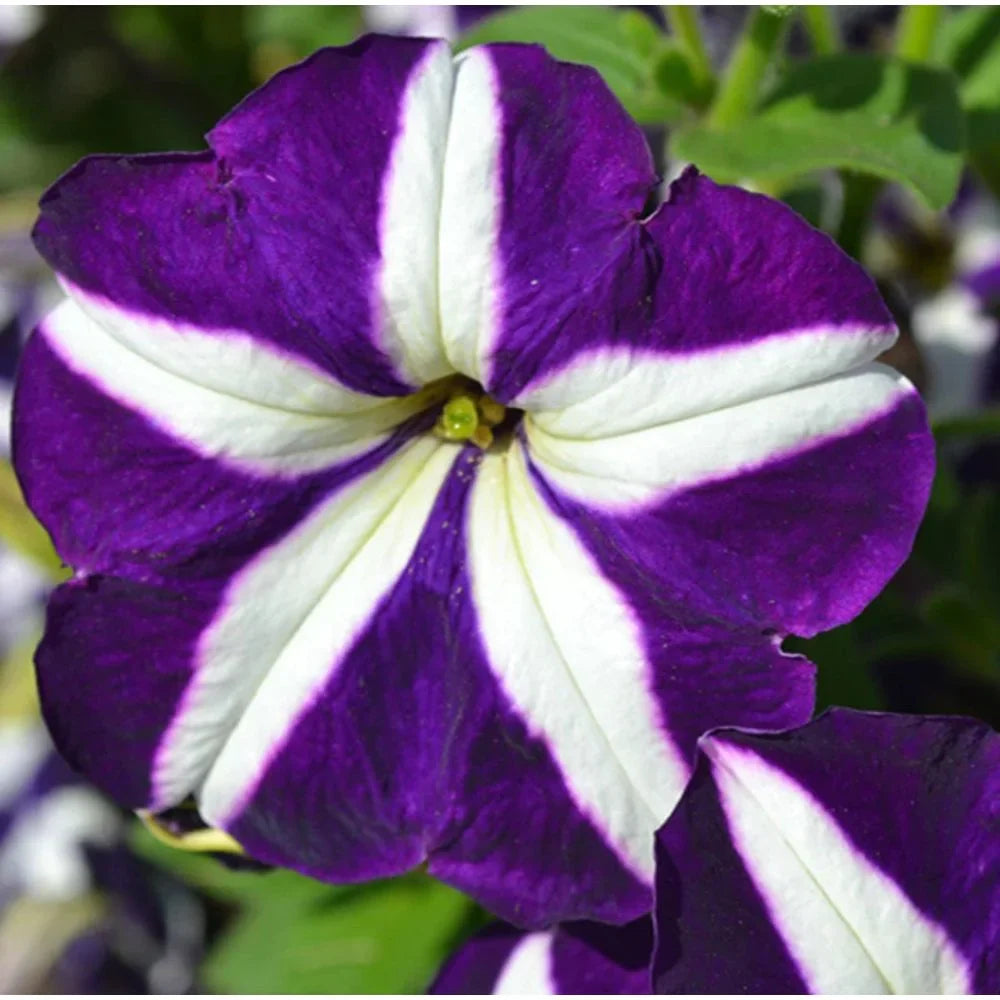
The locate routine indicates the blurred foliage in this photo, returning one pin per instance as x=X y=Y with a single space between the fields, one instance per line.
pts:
x=131 y=79
x=295 y=935
x=20 y=530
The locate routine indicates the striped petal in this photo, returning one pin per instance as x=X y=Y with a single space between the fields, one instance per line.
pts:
x=181 y=646
x=789 y=512
x=309 y=224
x=858 y=854
x=571 y=959
x=393 y=741
x=618 y=691
x=544 y=180
x=102 y=421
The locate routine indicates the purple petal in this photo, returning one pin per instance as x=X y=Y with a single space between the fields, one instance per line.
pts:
x=857 y=854
x=274 y=232
x=700 y=277
x=581 y=958
x=798 y=541
x=544 y=184
x=408 y=749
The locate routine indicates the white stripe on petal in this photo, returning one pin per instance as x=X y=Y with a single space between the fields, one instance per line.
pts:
x=407 y=292
x=615 y=390
x=631 y=470
x=288 y=622
x=569 y=654
x=470 y=210
x=528 y=969
x=224 y=394
x=849 y=927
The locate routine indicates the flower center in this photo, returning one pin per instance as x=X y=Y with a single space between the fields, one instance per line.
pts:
x=470 y=414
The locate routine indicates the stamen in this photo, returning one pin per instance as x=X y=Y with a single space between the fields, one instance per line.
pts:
x=491 y=412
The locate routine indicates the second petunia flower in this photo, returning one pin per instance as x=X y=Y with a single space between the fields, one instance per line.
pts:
x=428 y=497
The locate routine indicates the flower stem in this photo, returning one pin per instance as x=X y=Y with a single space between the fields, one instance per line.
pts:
x=860 y=194
x=740 y=85
x=684 y=25
x=915 y=33
x=822 y=30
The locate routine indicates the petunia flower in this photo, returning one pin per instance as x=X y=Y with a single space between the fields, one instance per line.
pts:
x=428 y=497
x=858 y=854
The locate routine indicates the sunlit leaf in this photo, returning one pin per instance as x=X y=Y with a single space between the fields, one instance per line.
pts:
x=879 y=116
x=970 y=45
x=384 y=937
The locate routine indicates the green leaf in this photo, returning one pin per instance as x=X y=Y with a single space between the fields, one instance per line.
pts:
x=283 y=35
x=880 y=116
x=305 y=29
x=980 y=550
x=212 y=877
x=970 y=45
x=844 y=674
x=385 y=937
x=19 y=529
x=18 y=690
x=970 y=631
x=647 y=71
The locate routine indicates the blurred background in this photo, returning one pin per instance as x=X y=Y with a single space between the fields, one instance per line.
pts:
x=90 y=899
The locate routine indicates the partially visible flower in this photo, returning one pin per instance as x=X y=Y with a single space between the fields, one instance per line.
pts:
x=571 y=959
x=428 y=500
x=415 y=20
x=78 y=911
x=858 y=854
x=18 y=22
x=957 y=328
x=947 y=267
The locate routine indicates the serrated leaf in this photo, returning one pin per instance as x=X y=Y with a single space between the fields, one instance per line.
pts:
x=646 y=71
x=970 y=45
x=876 y=115
x=20 y=531
x=385 y=937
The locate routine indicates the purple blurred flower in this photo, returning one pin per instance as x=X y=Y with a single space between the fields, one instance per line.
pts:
x=78 y=911
x=957 y=328
x=858 y=854
x=427 y=501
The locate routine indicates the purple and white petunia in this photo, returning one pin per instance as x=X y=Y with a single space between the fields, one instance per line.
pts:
x=957 y=328
x=428 y=499
x=858 y=854
x=571 y=959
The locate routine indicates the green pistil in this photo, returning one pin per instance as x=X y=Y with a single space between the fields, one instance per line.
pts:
x=459 y=419
x=467 y=418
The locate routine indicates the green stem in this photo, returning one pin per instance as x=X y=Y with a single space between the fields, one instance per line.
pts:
x=684 y=25
x=739 y=90
x=918 y=25
x=860 y=192
x=822 y=30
